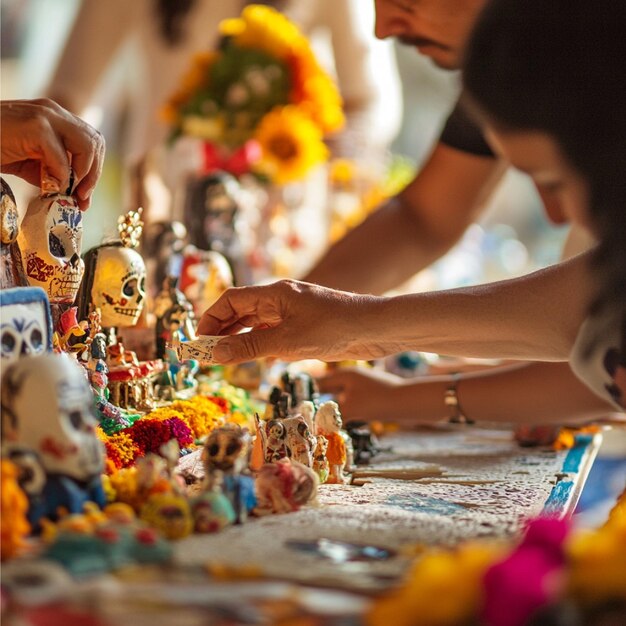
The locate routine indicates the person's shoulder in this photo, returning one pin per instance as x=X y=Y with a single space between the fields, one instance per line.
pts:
x=463 y=133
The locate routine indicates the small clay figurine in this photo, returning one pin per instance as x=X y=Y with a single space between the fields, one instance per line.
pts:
x=204 y=277
x=320 y=462
x=47 y=407
x=329 y=424
x=275 y=445
x=169 y=513
x=50 y=240
x=25 y=323
x=284 y=486
x=212 y=511
x=225 y=457
x=173 y=313
x=300 y=441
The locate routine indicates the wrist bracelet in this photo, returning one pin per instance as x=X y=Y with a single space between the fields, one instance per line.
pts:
x=451 y=400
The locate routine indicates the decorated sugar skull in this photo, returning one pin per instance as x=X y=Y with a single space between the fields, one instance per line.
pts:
x=25 y=323
x=115 y=282
x=47 y=407
x=204 y=277
x=50 y=240
x=226 y=449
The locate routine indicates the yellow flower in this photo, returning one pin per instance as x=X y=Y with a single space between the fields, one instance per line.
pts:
x=443 y=588
x=264 y=28
x=291 y=144
x=209 y=128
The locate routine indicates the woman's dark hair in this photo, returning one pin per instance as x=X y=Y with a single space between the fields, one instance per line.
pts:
x=171 y=14
x=559 y=67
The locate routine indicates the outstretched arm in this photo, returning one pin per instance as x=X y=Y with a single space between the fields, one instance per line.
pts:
x=534 y=317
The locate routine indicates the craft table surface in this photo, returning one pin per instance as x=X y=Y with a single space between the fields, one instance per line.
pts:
x=477 y=483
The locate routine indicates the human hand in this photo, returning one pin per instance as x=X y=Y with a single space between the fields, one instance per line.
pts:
x=293 y=320
x=363 y=394
x=41 y=141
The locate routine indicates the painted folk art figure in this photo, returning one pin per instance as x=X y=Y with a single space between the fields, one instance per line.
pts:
x=300 y=441
x=225 y=457
x=47 y=407
x=115 y=277
x=275 y=441
x=320 y=461
x=163 y=245
x=204 y=277
x=50 y=240
x=284 y=486
x=329 y=424
x=25 y=324
x=11 y=274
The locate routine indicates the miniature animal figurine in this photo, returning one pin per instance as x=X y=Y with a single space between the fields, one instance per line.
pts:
x=284 y=486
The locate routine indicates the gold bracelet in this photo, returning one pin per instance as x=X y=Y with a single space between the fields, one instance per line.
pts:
x=451 y=400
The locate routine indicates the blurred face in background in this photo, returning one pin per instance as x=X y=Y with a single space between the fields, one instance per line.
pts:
x=562 y=187
x=438 y=29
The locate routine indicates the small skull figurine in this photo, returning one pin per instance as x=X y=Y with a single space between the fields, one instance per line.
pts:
x=115 y=282
x=25 y=323
x=47 y=406
x=50 y=240
x=226 y=449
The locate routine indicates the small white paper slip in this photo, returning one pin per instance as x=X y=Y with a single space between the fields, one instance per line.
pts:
x=200 y=349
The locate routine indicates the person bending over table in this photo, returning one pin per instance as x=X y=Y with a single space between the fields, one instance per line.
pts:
x=41 y=142
x=553 y=110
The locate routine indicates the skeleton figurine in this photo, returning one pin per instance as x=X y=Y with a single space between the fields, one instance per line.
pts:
x=50 y=241
x=329 y=424
x=225 y=457
x=25 y=324
x=46 y=407
x=173 y=313
x=300 y=441
x=275 y=445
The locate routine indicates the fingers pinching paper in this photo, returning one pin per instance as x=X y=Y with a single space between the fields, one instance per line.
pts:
x=200 y=349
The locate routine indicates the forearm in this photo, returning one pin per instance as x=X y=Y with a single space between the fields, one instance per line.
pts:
x=534 y=317
x=382 y=252
x=535 y=393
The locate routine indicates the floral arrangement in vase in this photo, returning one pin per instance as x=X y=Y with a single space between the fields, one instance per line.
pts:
x=260 y=103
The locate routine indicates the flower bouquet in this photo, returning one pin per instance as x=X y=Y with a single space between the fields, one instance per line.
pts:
x=260 y=103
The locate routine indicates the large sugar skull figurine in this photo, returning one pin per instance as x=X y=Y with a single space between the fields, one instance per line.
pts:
x=115 y=277
x=115 y=282
x=50 y=240
x=25 y=324
x=47 y=407
x=205 y=276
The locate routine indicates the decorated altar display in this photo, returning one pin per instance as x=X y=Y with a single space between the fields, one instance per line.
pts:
x=142 y=475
